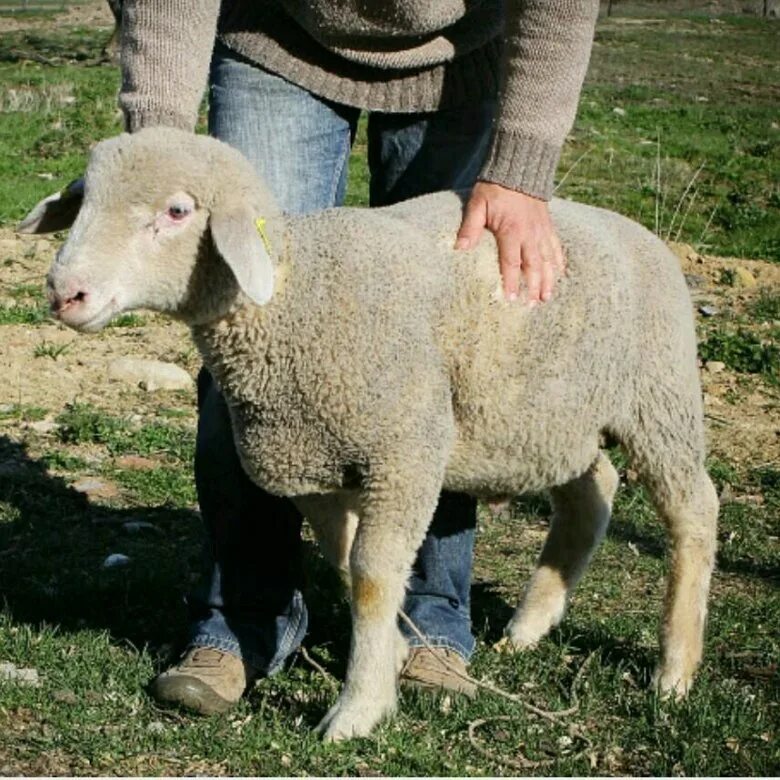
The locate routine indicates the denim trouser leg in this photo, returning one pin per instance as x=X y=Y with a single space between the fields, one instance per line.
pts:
x=249 y=602
x=298 y=143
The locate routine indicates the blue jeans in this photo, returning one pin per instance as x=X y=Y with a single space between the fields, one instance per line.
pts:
x=249 y=602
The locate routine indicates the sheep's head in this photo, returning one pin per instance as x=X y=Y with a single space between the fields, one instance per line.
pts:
x=152 y=209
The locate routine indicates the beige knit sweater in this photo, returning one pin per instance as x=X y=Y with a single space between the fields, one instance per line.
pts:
x=381 y=55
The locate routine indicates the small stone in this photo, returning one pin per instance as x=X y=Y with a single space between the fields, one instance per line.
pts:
x=13 y=673
x=95 y=488
x=134 y=526
x=150 y=375
x=7 y=408
x=707 y=310
x=695 y=281
x=743 y=278
x=137 y=463
x=156 y=727
x=65 y=697
x=115 y=560
x=619 y=111
x=714 y=366
x=43 y=426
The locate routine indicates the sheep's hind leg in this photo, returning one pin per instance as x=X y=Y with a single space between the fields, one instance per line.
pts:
x=333 y=518
x=581 y=512
x=690 y=514
x=396 y=511
x=666 y=446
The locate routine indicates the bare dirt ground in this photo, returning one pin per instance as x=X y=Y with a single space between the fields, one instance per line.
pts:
x=91 y=14
x=78 y=373
x=743 y=412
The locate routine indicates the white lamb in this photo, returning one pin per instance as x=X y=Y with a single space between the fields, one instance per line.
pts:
x=367 y=365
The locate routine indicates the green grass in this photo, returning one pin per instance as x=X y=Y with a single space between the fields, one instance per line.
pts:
x=24 y=315
x=766 y=307
x=52 y=113
x=98 y=635
x=130 y=320
x=22 y=413
x=46 y=349
x=698 y=102
x=83 y=424
x=744 y=352
x=693 y=94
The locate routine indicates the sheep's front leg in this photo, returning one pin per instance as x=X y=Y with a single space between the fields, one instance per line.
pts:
x=397 y=510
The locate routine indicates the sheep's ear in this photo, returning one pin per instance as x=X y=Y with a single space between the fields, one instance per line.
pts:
x=57 y=212
x=241 y=246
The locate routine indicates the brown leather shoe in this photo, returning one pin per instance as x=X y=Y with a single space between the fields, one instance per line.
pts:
x=205 y=680
x=426 y=670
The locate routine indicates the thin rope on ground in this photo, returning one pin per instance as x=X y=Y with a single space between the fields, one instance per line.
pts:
x=515 y=763
x=327 y=676
x=553 y=717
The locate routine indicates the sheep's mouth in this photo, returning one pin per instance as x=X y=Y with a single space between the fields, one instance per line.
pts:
x=93 y=322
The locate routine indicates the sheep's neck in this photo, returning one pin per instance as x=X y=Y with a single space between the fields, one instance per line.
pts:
x=242 y=347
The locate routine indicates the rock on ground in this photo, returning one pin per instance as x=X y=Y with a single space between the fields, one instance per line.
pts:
x=149 y=374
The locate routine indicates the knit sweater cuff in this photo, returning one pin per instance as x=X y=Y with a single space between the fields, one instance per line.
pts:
x=520 y=163
x=138 y=118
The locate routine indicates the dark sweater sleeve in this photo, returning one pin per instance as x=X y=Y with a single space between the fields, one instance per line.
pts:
x=547 y=49
x=165 y=54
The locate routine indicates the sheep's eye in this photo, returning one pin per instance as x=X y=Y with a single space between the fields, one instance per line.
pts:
x=177 y=211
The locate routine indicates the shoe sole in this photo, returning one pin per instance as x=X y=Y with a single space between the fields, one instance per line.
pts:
x=413 y=683
x=190 y=694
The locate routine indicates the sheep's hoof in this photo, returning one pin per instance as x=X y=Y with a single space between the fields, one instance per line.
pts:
x=346 y=721
x=509 y=645
x=672 y=685
x=504 y=646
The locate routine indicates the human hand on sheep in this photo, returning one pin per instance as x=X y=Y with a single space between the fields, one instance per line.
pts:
x=528 y=245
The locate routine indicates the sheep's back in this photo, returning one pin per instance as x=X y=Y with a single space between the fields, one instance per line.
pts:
x=396 y=317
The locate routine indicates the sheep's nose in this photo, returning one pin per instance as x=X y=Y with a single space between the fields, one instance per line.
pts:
x=69 y=298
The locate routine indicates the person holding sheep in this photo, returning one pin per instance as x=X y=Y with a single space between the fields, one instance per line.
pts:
x=478 y=94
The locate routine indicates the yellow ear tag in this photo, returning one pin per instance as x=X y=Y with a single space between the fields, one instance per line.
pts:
x=260 y=225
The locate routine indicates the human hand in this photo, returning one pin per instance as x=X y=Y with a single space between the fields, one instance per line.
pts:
x=528 y=245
